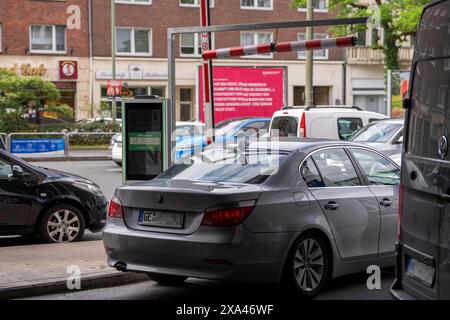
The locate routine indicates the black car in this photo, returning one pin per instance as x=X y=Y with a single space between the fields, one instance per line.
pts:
x=423 y=249
x=56 y=206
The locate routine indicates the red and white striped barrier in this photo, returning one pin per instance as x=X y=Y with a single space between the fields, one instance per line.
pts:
x=318 y=44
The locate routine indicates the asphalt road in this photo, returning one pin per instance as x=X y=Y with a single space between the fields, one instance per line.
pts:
x=105 y=173
x=108 y=176
x=194 y=290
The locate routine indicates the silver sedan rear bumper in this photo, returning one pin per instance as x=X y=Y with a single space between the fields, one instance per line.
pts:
x=219 y=253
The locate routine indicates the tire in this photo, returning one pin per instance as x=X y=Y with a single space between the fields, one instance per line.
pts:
x=305 y=273
x=167 y=280
x=68 y=228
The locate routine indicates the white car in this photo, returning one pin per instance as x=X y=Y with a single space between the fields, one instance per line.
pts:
x=322 y=122
x=183 y=129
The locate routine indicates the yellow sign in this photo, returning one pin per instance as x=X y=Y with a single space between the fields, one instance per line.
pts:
x=27 y=69
x=50 y=115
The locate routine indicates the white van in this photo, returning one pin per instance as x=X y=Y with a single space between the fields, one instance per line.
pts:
x=323 y=122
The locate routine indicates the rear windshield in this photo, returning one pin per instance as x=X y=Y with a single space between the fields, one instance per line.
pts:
x=428 y=107
x=227 y=165
x=377 y=132
x=432 y=39
x=286 y=126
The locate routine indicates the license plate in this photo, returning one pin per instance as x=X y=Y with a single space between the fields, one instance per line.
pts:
x=161 y=219
x=420 y=271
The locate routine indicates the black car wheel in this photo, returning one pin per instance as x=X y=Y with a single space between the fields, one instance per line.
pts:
x=167 y=280
x=62 y=223
x=307 y=268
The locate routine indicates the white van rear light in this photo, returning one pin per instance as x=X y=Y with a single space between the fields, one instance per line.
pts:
x=303 y=125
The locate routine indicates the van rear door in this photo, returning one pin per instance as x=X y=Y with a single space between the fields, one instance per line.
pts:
x=444 y=234
x=423 y=179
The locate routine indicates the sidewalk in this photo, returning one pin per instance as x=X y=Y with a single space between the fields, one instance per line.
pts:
x=42 y=269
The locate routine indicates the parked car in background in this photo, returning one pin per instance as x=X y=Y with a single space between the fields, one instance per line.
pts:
x=56 y=206
x=227 y=131
x=322 y=122
x=385 y=135
x=115 y=149
x=2 y=143
x=106 y=121
x=423 y=250
x=297 y=211
x=184 y=131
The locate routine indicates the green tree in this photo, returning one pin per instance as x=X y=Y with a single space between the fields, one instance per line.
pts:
x=17 y=93
x=398 y=18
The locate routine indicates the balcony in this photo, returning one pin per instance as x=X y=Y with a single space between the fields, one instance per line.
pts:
x=367 y=55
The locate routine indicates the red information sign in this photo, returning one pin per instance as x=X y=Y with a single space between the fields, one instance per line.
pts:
x=244 y=92
x=114 y=88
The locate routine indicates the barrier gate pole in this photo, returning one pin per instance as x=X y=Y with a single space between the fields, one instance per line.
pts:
x=208 y=94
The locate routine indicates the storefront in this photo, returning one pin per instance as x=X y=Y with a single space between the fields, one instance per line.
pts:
x=149 y=77
x=70 y=76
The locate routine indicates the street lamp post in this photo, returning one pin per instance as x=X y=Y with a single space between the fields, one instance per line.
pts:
x=113 y=54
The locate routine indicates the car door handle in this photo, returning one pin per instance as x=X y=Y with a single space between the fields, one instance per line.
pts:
x=385 y=202
x=331 y=206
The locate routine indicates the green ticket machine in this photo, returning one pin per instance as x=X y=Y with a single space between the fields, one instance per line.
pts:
x=145 y=138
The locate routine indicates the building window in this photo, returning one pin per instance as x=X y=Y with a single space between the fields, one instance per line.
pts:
x=132 y=41
x=318 y=54
x=158 y=91
x=48 y=39
x=257 y=4
x=186 y=112
x=134 y=1
x=255 y=38
x=191 y=45
x=362 y=38
x=319 y=6
x=321 y=96
x=194 y=3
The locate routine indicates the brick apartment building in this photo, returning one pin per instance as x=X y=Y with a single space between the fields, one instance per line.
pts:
x=36 y=39
x=35 y=34
x=148 y=21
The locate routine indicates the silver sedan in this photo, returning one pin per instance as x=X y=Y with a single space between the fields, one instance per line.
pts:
x=295 y=211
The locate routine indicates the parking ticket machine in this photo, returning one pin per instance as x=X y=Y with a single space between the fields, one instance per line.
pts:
x=144 y=138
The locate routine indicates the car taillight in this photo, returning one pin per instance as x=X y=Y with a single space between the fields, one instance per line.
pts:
x=303 y=125
x=400 y=211
x=115 y=208
x=226 y=217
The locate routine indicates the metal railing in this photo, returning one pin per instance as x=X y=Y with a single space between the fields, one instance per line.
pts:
x=67 y=153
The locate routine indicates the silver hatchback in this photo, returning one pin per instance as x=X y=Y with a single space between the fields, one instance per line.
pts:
x=296 y=211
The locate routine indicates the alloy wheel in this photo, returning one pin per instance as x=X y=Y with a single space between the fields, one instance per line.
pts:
x=309 y=264
x=63 y=226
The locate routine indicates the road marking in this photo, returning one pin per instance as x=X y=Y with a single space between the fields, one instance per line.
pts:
x=114 y=170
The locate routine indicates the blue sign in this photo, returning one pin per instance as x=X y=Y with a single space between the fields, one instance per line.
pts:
x=25 y=146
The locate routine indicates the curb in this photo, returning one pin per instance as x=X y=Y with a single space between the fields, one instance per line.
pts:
x=74 y=158
x=60 y=286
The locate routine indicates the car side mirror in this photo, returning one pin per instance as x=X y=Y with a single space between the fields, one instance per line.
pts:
x=17 y=171
x=399 y=140
x=406 y=103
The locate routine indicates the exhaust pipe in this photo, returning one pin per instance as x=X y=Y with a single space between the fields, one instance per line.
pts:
x=121 y=266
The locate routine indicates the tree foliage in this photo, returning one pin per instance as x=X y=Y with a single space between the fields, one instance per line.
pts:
x=398 y=18
x=17 y=93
